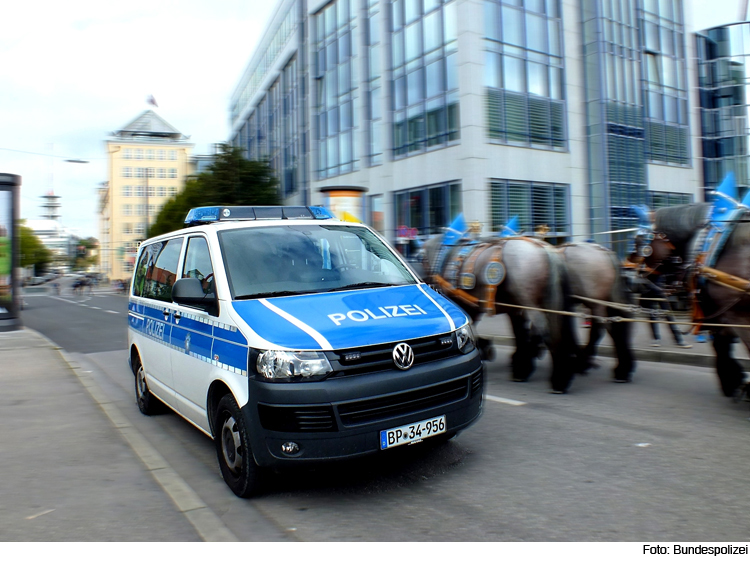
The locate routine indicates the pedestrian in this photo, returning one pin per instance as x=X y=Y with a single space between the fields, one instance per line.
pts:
x=650 y=290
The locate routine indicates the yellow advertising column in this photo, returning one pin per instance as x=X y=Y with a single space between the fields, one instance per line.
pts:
x=347 y=203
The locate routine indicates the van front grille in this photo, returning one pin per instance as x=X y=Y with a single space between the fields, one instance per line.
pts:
x=379 y=357
x=394 y=405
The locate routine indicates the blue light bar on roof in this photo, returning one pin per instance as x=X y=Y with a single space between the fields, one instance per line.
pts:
x=210 y=214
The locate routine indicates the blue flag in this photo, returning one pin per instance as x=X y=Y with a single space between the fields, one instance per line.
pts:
x=456 y=230
x=643 y=214
x=728 y=187
x=725 y=200
x=511 y=228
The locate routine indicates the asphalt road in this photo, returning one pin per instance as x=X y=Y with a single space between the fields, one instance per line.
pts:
x=659 y=459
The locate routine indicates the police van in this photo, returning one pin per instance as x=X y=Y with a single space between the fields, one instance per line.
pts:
x=290 y=337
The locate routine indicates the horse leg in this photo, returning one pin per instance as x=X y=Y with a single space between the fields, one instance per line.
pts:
x=620 y=333
x=522 y=361
x=731 y=375
x=563 y=349
x=486 y=349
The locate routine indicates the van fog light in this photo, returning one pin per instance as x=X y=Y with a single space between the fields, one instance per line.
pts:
x=289 y=448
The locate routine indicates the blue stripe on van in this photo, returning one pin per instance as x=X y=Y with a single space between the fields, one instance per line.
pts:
x=230 y=354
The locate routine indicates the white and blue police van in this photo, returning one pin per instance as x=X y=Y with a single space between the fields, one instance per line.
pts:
x=290 y=337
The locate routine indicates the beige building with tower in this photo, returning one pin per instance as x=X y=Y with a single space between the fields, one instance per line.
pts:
x=148 y=163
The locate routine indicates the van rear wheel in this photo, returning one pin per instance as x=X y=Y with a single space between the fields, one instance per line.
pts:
x=232 y=441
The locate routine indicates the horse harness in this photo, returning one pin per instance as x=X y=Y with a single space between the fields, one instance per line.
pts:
x=460 y=274
x=704 y=254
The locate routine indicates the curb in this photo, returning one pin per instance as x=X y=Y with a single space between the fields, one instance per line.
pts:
x=644 y=354
x=206 y=523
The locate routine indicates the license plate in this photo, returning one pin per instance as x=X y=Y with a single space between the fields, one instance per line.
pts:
x=411 y=433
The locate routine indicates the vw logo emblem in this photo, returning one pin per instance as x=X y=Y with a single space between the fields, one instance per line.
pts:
x=403 y=356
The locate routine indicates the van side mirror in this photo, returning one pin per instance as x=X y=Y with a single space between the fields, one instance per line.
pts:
x=189 y=291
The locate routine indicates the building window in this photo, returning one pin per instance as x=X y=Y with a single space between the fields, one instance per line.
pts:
x=139 y=154
x=161 y=154
x=161 y=172
x=173 y=173
x=127 y=172
x=374 y=82
x=172 y=191
x=537 y=205
x=127 y=210
x=423 y=212
x=127 y=229
x=149 y=154
x=128 y=153
x=664 y=82
x=335 y=88
x=665 y=199
x=425 y=75
x=127 y=191
x=523 y=73
x=162 y=191
x=172 y=155
x=289 y=137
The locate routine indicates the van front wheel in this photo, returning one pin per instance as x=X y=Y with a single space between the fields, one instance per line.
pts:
x=147 y=402
x=232 y=441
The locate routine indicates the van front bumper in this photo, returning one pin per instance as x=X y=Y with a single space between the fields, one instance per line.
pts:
x=342 y=417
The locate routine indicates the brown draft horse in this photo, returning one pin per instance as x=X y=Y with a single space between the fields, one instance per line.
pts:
x=721 y=290
x=596 y=282
x=485 y=276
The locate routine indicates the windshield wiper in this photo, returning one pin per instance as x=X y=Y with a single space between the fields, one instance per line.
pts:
x=363 y=285
x=268 y=294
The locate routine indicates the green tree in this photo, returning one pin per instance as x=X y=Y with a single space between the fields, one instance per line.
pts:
x=231 y=180
x=83 y=257
x=32 y=250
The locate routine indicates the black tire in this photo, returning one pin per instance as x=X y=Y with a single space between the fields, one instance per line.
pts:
x=232 y=440
x=148 y=404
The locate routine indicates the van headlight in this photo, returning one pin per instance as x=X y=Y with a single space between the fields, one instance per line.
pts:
x=287 y=366
x=465 y=338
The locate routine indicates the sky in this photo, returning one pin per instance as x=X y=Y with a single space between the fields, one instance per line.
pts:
x=73 y=72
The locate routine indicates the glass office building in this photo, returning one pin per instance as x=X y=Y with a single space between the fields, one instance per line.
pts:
x=723 y=74
x=403 y=113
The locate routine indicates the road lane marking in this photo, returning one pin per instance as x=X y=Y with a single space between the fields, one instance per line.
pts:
x=97 y=308
x=113 y=312
x=505 y=401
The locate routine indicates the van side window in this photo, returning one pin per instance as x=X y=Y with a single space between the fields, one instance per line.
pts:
x=139 y=278
x=198 y=263
x=161 y=269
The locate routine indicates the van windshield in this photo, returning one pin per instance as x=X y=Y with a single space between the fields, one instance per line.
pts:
x=292 y=260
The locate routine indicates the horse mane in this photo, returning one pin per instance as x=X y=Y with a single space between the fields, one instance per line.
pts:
x=679 y=223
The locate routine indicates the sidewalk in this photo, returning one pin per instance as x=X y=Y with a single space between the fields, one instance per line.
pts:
x=66 y=472
x=499 y=330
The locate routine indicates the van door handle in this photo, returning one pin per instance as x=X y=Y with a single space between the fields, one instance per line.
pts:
x=166 y=313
